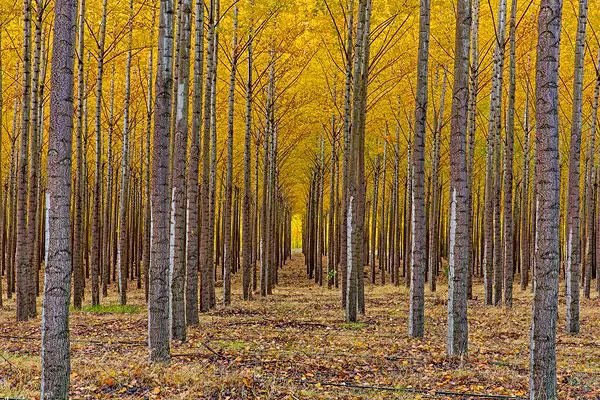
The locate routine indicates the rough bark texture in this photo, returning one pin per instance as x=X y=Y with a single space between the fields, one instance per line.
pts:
x=191 y=282
x=525 y=206
x=346 y=138
x=178 y=184
x=78 y=278
x=434 y=221
x=205 y=245
x=57 y=280
x=97 y=204
x=472 y=128
x=34 y=166
x=247 y=234
x=573 y=256
x=227 y=229
x=158 y=290
x=24 y=272
x=542 y=383
x=122 y=249
x=495 y=132
x=508 y=260
x=591 y=244
x=356 y=193
x=419 y=236
x=458 y=261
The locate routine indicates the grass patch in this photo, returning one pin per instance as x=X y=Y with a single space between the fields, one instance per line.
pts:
x=112 y=309
x=354 y=326
x=236 y=345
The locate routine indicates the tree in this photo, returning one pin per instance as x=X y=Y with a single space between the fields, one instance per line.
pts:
x=191 y=282
x=591 y=247
x=525 y=208
x=57 y=281
x=97 y=205
x=78 y=234
x=34 y=165
x=122 y=249
x=23 y=250
x=418 y=263
x=508 y=260
x=346 y=136
x=206 y=245
x=158 y=290
x=458 y=261
x=573 y=259
x=247 y=235
x=178 y=174
x=356 y=195
x=542 y=382
x=227 y=229
x=472 y=128
x=434 y=221
x=2 y=187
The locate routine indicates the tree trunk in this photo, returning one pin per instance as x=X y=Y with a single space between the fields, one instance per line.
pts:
x=434 y=243
x=205 y=245
x=178 y=174
x=508 y=264
x=55 y=316
x=247 y=234
x=458 y=260
x=472 y=128
x=97 y=205
x=191 y=281
x=356 y=192
x=158 y=290
x=346 y=136
x=333 y=208
x=78 y=277
x=2 y=188
x=590 y=195
x=24 y=271
x=419 y=235
x=542 y=382
x=573 y=264
x=227 y=230
x=122 y=250
x=525 y=205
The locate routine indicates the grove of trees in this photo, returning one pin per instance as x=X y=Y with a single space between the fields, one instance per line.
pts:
x=171 y=147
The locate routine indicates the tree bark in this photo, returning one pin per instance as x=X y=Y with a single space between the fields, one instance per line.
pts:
x=178 y=174
x=227 y=229
x=247 y=234
x=434 y=243
x=191 y=281
x=590 y=195
x=419 y=235
x=55 y=316
x=356 y=193
x=97 y=205
x=24 y=272
x=573 y=256
x=508 y=263
x=122 y=249
x=158 y=291
x=346 y=148
x=525 y=205
x=458 y=261
x=542 y=383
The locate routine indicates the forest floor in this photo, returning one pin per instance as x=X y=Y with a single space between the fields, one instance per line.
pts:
x=295 y=345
